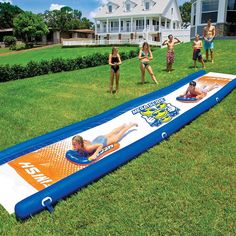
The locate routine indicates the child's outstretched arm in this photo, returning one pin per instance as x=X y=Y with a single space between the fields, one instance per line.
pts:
x=94 y=156
x=178 y=41
x=165 y=42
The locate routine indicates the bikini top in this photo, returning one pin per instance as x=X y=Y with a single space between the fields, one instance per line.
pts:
x=144 y=54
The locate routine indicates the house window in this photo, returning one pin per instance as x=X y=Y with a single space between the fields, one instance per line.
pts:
x=139 y=24
x=147 y=5
x=209 y=10
x=231 y=11
x=127 y=7
x=110 y=8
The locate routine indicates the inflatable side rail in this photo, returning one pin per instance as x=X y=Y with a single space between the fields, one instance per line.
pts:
x=68 y=131
x=48 y=197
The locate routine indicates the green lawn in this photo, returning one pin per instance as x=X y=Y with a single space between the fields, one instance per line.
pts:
x=4 y=50
x=23 y=57
x=182 y=186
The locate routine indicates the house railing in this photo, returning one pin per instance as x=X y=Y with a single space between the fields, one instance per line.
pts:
x=153 y=28
x=71 y=43
x=182 y=34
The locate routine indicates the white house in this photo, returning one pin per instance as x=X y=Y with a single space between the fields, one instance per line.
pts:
x=221 y=12
x=137 y=20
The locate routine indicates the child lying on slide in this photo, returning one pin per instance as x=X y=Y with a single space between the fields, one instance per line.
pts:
x=91 y=149
x=198 y=93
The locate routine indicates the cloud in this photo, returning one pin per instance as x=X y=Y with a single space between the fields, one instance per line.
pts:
x=101 y=2
x=55 y=7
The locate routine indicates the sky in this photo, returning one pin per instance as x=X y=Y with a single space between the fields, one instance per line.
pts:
x=87 y=7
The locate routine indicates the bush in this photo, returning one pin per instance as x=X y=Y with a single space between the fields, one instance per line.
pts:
x=55 y=65
x=9 y=40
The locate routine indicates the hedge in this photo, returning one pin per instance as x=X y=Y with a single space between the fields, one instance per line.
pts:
x=8 y=73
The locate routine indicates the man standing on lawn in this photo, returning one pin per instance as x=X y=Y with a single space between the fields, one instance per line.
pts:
x=209 y=33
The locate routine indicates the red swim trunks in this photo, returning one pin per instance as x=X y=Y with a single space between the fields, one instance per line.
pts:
x=170 y=57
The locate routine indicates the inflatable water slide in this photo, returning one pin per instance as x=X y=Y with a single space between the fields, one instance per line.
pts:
x=36 y=174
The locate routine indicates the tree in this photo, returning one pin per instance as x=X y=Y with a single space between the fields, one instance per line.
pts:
x=185 y=11
x=66 y=19
x=85 y=23
x=7 y=14
x=28 y=26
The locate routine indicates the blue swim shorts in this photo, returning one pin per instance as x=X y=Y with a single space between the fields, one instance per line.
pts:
x=208 y=45
x=100 y=139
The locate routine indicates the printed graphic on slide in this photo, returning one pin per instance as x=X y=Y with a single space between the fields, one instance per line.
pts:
x=157 y=112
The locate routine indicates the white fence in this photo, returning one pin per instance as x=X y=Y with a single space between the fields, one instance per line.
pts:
x=71 y=43
x=182 y=34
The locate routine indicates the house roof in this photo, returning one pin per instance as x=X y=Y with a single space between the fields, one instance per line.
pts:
x=6 y=30
x=157 y=9
x=87 y=31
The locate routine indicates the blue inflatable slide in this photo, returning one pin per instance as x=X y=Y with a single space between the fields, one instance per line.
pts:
x=36 y=174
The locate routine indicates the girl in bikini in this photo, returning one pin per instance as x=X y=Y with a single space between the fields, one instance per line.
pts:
x=145 y=56
x=91 y=149
x=114 y=62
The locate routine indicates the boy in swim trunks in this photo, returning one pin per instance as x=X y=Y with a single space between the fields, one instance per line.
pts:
x=209 y=33
x=170 y=56
x=198 y=93
x=197 y=45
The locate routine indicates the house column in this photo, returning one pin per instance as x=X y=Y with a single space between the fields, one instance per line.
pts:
x=96 y=27
x=145 y=22
x=159 y=23
x=119 y=25
x=150 y=24
x=131 y=24
x=222 y=11
x=198 y=16
x=165 y=23
x=107 y=26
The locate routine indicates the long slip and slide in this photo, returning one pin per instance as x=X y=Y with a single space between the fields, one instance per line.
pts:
x=36 y=174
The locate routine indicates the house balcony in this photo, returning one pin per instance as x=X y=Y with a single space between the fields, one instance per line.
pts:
x=152 y=28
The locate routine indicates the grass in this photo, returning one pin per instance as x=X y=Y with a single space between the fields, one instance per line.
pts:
x=47 y=53
x=4 y=50
x=182 y=186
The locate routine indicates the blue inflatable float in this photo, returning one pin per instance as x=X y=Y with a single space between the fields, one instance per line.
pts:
x=38 y=173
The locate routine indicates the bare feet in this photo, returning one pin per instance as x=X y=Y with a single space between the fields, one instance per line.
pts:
x=131 y=124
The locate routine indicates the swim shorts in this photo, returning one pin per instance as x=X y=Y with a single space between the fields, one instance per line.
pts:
x=208 y=45
x=197 y=55
x=170 y=57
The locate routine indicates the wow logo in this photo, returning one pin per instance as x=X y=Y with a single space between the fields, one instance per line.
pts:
x=157 y=112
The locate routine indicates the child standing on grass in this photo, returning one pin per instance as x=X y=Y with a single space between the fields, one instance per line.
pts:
x=145 y=56
x=114 y=62
x=170 y=56
x=197 y=45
